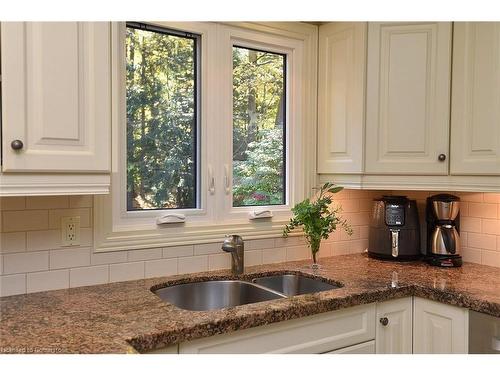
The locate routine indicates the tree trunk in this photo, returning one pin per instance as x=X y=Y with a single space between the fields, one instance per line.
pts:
x=252 y=105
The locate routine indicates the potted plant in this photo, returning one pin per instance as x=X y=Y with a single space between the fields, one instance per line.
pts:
x=317 y=219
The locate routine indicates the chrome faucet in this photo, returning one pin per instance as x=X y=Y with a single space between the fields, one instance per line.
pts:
x=234 y=244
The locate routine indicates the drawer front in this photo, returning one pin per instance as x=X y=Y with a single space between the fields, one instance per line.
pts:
x=314 y=334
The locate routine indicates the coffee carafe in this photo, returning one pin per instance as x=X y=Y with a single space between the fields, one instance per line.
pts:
x=443 y=228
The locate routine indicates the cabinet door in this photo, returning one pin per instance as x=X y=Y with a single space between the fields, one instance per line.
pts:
x=394 y=327
x=56 y=96
x=341 y=94
x=364 y=348
x=475 y=109
x=439 y=328
x=408 y=99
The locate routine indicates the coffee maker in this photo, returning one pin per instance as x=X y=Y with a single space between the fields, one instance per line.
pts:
x=394 y=232
x=443 y=228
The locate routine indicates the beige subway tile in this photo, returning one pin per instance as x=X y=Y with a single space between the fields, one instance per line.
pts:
x=12 y=203
x=193 y=264
x=463 y=238
x=471 y=197
x=491 y=197
x=490 y=226
x=470 y=224
x=344 y=236
x=264 y=243
x=69 y=258
x=482 y=241
x=364 y=230
x=471 y=255
x=19 y=221
x=357 y=218
x=340 y=248
x=161 y=267
x=1 y=265
x=81 y=201
x=51 y=239
x=253 y=258
x=359 y=194
x=126 y=271
x=12 y=284
x=178 y=251
x=273 y=255
x=48 y=280
x=365 y=205
x=464 y=209
x=483 y=210
x=108 y=257
x=84 y=276
x=289 y=241
x=144 y=254
x=358 y=246
x=325 y=250
x=13 y=242
x=498 y=243
x=208 y=248
x=37 y=203
x=343 y=194
x=56 y=215
x=335 y=236
x=490 y=258
x=25 y=262
x=298 y=253
x=349 y=205
x=219 y=261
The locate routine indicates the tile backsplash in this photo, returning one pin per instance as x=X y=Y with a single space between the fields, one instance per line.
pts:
x=32 y=258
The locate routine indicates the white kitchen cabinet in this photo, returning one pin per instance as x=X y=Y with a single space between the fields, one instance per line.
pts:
x=56 y=106
x=341 y=97
x=313 y=334
x=394 y=326
x=363 y=348
x=439 y=328
x=475 y=108
x=408 y=98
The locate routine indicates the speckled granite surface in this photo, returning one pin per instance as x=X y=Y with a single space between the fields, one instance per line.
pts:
x=127 y=317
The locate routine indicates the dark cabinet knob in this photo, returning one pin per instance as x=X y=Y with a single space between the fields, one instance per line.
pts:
x=384 y=321
x=17 y=144
x=442 y=157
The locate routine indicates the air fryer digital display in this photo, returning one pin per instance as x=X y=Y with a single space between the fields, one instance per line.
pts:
x=394 y=214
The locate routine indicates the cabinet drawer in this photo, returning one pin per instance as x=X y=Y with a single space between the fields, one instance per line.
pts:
x=314 y=334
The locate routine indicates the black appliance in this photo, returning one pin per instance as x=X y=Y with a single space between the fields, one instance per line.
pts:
x=443 y=230
x=394 y=229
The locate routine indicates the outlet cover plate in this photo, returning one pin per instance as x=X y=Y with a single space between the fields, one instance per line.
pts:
x=70 y=230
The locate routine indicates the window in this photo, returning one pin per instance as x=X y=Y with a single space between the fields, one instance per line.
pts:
x=211 y=123
x=259 y=124
x=161 y=89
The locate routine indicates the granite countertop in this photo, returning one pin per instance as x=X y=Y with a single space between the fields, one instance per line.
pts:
x=127 y=317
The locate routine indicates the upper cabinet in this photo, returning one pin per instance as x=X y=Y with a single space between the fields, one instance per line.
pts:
x=475 y=110
x=341 y=96
x=56 y=97
x=424 y=116
x=56 y=108
x=408 y=97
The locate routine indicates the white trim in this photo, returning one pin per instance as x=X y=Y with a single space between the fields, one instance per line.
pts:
x=115 y=229
x=436 y=183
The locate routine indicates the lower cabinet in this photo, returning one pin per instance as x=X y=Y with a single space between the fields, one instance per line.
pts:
x=439 y=328
x=400 y=326
x=322 y=333
x=394 y=326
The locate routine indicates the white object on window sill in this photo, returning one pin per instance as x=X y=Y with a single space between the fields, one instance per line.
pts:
x=171 y=219
x=260 y=214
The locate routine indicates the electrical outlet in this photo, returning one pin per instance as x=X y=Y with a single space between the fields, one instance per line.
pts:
x=70 y=231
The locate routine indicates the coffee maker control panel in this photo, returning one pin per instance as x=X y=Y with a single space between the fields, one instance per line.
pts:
x=395 y=215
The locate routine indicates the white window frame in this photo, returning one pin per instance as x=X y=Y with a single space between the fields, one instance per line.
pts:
x=119 y=229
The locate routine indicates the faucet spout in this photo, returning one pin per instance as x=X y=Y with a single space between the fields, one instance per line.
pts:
x=234 y=244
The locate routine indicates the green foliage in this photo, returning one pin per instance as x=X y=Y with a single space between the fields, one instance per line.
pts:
x=316 y=218
x=161 y=124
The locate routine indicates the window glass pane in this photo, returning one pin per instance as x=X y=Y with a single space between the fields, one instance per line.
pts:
x=258 y=127
x=161 y=119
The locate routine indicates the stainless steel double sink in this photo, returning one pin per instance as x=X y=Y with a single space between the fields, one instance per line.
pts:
x=218 y=294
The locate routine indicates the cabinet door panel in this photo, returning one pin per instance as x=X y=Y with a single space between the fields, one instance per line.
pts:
x=341 y=90
x=56 y=96
x=475 y=111
x=439 y=328
x=396 y=336
x=408 y=81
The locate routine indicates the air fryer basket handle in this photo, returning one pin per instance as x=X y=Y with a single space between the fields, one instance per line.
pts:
x=449 y=241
